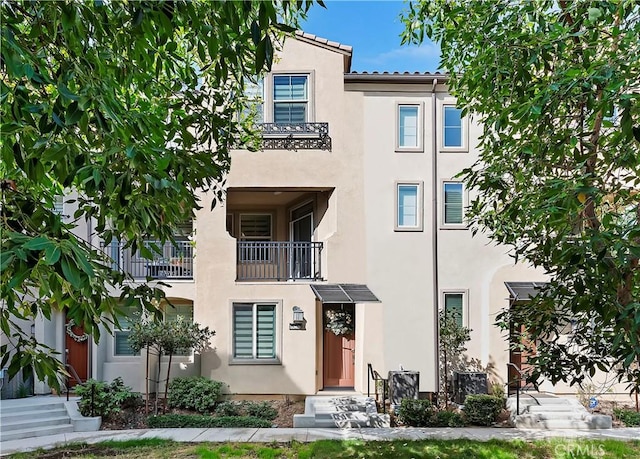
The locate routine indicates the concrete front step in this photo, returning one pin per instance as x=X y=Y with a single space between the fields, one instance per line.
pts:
x=340 y=412
x=545 y=411
x=34 y=432
x=17 y=416
x=41 y=421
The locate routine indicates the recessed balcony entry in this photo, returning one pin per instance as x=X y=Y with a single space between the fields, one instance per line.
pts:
x=275 y=234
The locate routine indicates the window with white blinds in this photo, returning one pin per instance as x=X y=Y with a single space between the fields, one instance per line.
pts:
x=121 y=335
x=254 y=331
x=290 y=98
x=453 y=203
x=58 y=204
x=454 y=306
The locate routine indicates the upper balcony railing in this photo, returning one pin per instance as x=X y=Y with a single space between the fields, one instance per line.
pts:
x=295 y=136
x=279 y=261
x=174 y=262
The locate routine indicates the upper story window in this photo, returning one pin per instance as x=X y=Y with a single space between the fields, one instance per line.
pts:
x=255 y=228
x=58 y=204
x=453 y=203
x=290 y=98
x=409 y=206
x=254 y=92
x=409 y=135
x=453 y=135
x=454 y=306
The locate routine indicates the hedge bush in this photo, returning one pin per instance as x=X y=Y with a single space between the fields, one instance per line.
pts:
x=446 y=418
x=630 y=418
x=107 y=399
x=416 y=413
x=262 y=410
x=229 y=408
x=194 y=393
x=194 y=420
x=482 y=409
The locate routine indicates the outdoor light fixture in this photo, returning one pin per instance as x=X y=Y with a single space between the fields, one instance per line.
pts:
x=299 y=322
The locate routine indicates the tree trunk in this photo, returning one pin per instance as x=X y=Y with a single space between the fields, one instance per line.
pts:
x=146 y=382
x=158 y=382
x=166 y=385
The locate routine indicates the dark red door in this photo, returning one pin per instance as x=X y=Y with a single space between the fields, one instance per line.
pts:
x=76 y=352
x=339 y=360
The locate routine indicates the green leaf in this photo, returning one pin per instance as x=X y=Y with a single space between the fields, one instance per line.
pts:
x=594 y=13
x=71 y=273
x=64 y=91
x=38 y=243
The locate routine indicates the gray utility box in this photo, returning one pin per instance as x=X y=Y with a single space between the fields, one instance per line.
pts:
x=468 y=383
x=403 y=384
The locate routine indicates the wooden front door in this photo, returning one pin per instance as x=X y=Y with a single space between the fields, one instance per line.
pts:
x=76 y=352
x=521 y=348
x=339 y=360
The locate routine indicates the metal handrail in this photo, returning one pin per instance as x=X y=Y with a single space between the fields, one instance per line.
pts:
x=515 y=367
x=74 y=373
x=375 y=376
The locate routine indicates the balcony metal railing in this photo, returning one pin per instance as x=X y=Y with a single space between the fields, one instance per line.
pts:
x=174 y=262
x=279 y=261
x=295 y=136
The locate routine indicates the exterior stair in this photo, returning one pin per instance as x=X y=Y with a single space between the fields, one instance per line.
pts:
x=341 y=412
x=546 y=411
x=33 y=417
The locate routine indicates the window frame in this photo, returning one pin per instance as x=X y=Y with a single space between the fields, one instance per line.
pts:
x=465 y=302
x=270 y=93
x=125 y=331
x=443 y=206
x=419 y=147
x=177 y=304
x=267 y=258
x=464 y=128
x=277 y=333
x=419 y=206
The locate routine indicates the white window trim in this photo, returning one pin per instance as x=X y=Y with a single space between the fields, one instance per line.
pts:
x=268 y=86
x=464 y=148
x=419 y=204
x=465 y=204
x=465 y=302
x=420 y=125
x=121 y=357
x=278 y=333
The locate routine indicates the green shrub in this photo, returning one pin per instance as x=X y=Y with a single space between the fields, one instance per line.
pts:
x=416 y=413
x=630 y=418
x=108 y=399
x=482 y=409
x=194 y=420
x=229 y=408
x=446 y=418
x=262 y=410
x=194 y=393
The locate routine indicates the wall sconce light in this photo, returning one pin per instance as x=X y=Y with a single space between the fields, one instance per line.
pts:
x=299 y=322
x=33 y=329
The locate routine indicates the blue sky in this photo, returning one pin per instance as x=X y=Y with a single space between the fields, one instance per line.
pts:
x=373 y=29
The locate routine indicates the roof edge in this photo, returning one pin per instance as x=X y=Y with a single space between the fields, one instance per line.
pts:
x=406 y=77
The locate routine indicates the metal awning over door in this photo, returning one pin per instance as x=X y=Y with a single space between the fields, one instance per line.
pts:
x=523 y=291
x=344 y=293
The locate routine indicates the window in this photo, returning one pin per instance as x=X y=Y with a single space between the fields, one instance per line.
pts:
x=454 y=306
x=408 y=129
x=453 y=135
x=58 y=204
x=255 y=228
x=409 y=206
x=453 y=203
x=121 y=335
x=254 y=331
x=290 y=98
x=171 y=314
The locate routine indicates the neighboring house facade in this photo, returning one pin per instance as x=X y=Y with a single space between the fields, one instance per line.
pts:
x=352 y=206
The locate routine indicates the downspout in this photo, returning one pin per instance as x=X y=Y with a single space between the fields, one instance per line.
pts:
x=434 y=218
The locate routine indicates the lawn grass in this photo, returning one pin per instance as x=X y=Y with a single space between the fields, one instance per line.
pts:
x=334 y=449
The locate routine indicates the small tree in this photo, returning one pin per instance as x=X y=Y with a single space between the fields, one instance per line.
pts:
x=453 y=340
x=167 y=338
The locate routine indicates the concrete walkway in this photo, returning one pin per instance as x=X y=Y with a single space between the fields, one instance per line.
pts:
x=308 y=435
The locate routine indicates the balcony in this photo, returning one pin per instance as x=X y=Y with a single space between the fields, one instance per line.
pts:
x=175 y=261
x=295 y=136
x=278 y=261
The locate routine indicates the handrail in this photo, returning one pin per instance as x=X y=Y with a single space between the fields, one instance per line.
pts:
x=514 y=366
x=74 y=373
x=375 y=376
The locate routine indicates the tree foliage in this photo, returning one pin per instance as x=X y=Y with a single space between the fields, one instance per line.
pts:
x=453 y=338
x=132 y=106
x=556 y=87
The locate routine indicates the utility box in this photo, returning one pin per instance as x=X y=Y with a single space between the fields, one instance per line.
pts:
x=403 y=384
x=468 y=383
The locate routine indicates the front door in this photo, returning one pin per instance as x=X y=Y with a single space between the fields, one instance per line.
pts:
x=76 y=352
x=521 y=348
x=339 y=353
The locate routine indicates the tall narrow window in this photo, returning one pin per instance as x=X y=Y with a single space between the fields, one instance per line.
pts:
x=453 y=203
x=256 y=230
x=254 y=331
x=254 y=92
x=121 y=335
x=290 y=98
x=454 y=306
x=408 y=207
x=408 y=126
x=175 y=312
x=453 y=135
x=58 y=204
